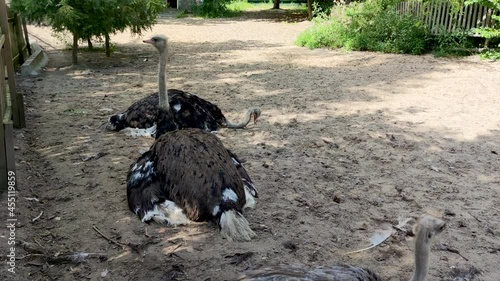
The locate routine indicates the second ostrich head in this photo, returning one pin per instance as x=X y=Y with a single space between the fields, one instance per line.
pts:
x=255 y=113
x=427 y=228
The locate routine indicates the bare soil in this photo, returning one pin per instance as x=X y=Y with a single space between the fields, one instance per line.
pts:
x=347 y=144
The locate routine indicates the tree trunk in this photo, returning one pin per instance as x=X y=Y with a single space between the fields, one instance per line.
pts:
x=89 y=43
x=309 y=9
x=74 y=52
x=276 y=4
x=108 y=51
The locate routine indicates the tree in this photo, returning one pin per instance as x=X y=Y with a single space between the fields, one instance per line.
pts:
x=91 y=18
x=276 y=4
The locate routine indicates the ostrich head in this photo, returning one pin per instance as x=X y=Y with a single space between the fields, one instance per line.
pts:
x=430 y=227
x=158 y=41
x=255 y=114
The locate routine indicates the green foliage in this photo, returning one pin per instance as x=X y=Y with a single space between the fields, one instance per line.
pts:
x=492 y=4
x=321 y=7
x=491 y=55
x=91 y=18
x=370 y=26
x=493 y=31
x=239 y=6
x=181 y=15
x=213 y=9
x=452 y=44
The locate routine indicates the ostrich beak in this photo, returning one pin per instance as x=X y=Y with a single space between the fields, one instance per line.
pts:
x=255 y=118
x=149 y=41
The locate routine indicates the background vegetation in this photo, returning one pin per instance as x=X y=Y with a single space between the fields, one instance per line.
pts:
x=91 y=18
x=374 y=25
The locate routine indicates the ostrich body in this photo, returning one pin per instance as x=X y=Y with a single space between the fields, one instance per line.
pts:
x=427 y=228
x=188 y=174
x=189 y=111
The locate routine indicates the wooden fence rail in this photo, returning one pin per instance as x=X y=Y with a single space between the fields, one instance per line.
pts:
x=440 y=18
x=7 y=162
x=11 y=102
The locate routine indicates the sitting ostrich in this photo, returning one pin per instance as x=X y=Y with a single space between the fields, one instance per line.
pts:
x=190 y=111
x=427 y=228
x=188 y=175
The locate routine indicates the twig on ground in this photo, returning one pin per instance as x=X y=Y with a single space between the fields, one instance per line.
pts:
x=37 y=217
x=67 y=258
x=479 y=220
x=29 y=255
x=36 y=241
x=109 y=239
x=444 y=247
x=76 y=258
x=175 y=248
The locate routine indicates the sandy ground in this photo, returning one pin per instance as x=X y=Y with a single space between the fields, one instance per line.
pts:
x=347 y=144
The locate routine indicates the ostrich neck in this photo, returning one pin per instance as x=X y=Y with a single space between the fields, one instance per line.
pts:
x=422 y=249
x=241 y=124
x=162 y=81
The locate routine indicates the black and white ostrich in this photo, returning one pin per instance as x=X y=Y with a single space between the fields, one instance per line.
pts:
x=189 y=110
x=188 y=174
x=427 y=228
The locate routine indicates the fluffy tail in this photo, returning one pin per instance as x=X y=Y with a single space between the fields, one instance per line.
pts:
x=116 y=122
x=234 y=226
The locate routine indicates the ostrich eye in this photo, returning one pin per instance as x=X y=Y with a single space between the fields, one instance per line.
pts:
x=429 y=235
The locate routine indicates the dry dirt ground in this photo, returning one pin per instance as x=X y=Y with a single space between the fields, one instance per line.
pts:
x=347 y=144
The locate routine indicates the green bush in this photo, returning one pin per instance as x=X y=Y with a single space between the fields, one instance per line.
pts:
x=493 y=54
x=369 y=26
x=213 y=9
x=452 y=44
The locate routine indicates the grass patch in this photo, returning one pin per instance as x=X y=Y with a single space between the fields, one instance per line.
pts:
x=239 y=6
x=490 y=55
x=368 y=26
x=229 y=8
x=374 y=25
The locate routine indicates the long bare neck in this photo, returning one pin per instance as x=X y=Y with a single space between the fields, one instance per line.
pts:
x=242 y=124
x=162 y=81
x=422 y=250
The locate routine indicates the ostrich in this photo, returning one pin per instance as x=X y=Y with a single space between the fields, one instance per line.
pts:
x=188 y=174
x=427 y=228
x=190 y=111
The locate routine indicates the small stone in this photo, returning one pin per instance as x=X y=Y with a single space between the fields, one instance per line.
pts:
x=449 y=212
x=338 y=199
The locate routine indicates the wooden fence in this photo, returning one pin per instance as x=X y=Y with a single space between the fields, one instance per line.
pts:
x=11 y=102
x=440 y=18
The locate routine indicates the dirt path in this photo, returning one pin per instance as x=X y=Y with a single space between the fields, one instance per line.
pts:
x=348 y=143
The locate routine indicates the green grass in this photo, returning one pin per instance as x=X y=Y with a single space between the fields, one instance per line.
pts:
x=239 y=6
x=491 y=55
x=215 y=8
x=283 y=6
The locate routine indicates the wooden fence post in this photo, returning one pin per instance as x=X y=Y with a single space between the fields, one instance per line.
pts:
x=16 y=99
x=3 y=108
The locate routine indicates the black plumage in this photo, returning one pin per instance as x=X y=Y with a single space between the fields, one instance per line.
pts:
x=191 y=168
x=188 y=174
x=190 y=111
